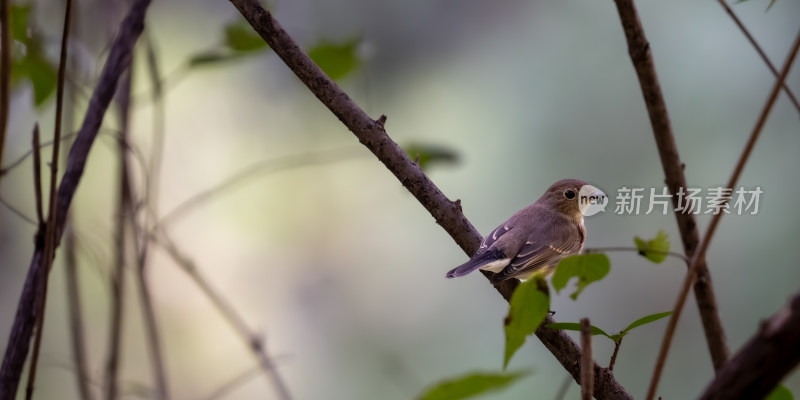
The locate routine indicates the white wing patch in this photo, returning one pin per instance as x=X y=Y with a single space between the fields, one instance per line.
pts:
x=496 y=266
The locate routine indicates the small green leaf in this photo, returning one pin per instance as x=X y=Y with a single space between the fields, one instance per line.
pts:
x=240 y=36
x=336 y=60
x=430 y=154
x=470 y=385
x=40 y=73
x=587 y=268
x=527 y=309
x=645 y=320
x=574 y=326
x=780 y=393
x=19 y=22
x=655 y=249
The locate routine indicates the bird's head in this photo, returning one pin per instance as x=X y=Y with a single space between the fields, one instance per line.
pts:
x=570 y=197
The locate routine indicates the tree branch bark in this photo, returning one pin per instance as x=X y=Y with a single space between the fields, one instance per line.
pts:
x=118 y=61
x=447 y=213
x=642 y=58
x=763 y=361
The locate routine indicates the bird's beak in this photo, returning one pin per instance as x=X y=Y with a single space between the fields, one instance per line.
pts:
x=591 y=200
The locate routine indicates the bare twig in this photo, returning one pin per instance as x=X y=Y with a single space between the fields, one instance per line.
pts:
x=22 y=158
x=759 y=50
x=639 y=50
x=611 y=363
x=37 y=176
x=447 y=213
x=76 y=313
x=764 y=360
x=118 y=60
x=673 y=321
x=253 y=340
x=587 y=372
x=5 y=73
x=262 y=167
x=52 y=215
x=636 y=250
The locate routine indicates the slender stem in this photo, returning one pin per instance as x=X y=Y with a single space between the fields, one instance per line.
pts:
x=761 y=53
x=617 y=344
x=5 y=73
x=587 y=363
x=117 y=61
x=52 y=215
x=700 y=254
x=635 y=250
x=642 y=59
x=37 y=176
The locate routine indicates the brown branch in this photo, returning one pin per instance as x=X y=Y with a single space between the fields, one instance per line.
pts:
x=5 y=72
x=611 y=363
x=693 y=266
x=37 y=176
x=447 y=213
x=253 y=341
x=118 y=60
x=639 y=50
x=764 y=360
x=587 y=372
x=52 y=214
x=761 y=53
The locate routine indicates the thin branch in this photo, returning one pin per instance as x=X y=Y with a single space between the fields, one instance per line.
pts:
x=37 y=176
x=684 y=293
x=118 y=60
x=636 y=250
x=253 y=340
x=447 y=213
x=52 y=215
x=262 y=167
x=27 y=154
x=17 y=212
x=642 y=59
x=5 y=72
x=759 y=50
x=587 y=372
x=611 y=363
x=76 y=314
x=771 y=354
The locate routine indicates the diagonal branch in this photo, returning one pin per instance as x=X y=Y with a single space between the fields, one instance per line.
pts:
x=764 y=360
x=760 y=52
x=642 y=59
x=447 y=213
x=118 y=61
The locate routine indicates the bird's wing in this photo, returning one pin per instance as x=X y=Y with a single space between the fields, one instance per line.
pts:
x=549 y=242
x=487 y=256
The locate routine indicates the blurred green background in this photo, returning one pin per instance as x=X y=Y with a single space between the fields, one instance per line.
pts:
x=340 y=268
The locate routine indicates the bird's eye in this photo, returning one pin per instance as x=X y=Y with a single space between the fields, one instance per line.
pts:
x=569 y=194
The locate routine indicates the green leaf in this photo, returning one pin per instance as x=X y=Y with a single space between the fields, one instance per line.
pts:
x=240 y=36
x=587 y=268
x=470 y=385
x=39 y=72
x=645 y=320
x=574 y=326
x=528 y=307
x=19 y=22
x=430 y=154
x=336 y=60
x=660 y=245
x=780 y=393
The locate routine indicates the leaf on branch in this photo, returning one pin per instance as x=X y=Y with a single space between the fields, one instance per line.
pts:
x=336 y=60
x=527 y=309
x=574 y=326
x=780 y=393
x=240 y=36
x=471 y=385
x=587 y=268
x=430 y=154
x=655 y=249
x=19 y=22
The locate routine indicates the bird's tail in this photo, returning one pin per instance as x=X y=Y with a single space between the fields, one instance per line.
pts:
x=478 y=261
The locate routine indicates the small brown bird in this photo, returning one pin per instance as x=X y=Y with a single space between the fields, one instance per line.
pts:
x=537 y=237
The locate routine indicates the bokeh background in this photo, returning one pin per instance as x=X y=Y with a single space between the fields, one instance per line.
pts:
x=340 y=268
